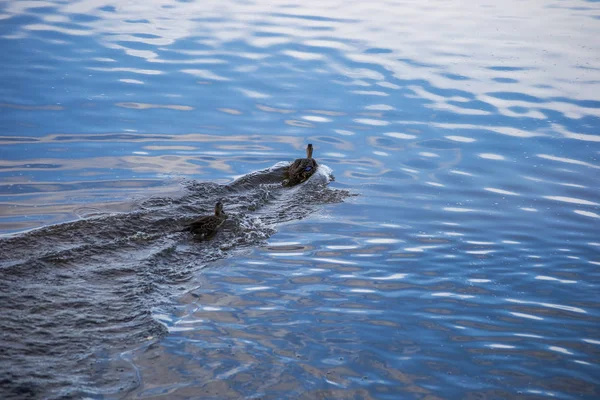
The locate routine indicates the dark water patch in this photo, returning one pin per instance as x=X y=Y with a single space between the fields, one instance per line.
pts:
x=376 y=50
x=519 y=109
x=505 y=80
x=30 y=166
x=515 y=96
x=75 y=291
x=137 y=21
x=84 y=18
x=18 y=139
x=474 y=105
x=455 y=77
x=581 y=103
x=506 y=68
x=417 y=64
x=312 y=17
x=110 y=9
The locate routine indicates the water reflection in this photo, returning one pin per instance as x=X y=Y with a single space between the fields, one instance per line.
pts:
x=468 y=257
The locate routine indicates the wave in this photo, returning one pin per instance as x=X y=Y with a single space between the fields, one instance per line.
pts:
x=71 y=290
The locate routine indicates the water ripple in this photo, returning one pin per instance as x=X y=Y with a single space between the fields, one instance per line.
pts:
x=466 y=268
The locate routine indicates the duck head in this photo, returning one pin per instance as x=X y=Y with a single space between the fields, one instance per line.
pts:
x=219 y=209
x=309 y=150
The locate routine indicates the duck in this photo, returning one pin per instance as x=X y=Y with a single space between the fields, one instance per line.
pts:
x=301 y=169
x=206 y=226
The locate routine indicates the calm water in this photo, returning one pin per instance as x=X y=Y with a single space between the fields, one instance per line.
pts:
x=455 y=255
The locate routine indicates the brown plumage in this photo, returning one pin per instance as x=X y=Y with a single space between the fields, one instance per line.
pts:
x=301 y=169
x=206 y=226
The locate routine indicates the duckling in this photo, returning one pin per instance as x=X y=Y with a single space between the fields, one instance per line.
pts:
x=301 y=169
x=206 y=226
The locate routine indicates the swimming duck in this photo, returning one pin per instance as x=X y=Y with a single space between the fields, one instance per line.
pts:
x=301 y=169
x=206 y=226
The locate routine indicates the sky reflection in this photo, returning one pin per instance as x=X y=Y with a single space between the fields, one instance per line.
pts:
x=467 y=131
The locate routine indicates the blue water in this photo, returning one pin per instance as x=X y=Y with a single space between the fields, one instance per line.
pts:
x=464 y=265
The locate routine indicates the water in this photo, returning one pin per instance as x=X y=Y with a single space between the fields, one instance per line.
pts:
x=454 y=255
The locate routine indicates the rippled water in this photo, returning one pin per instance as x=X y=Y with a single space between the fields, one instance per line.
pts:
x=455 y=255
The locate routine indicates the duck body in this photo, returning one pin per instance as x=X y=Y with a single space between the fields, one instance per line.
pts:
x=205 y=227
x=301 y=169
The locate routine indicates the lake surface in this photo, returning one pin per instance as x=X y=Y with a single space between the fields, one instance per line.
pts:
x=448 y=246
